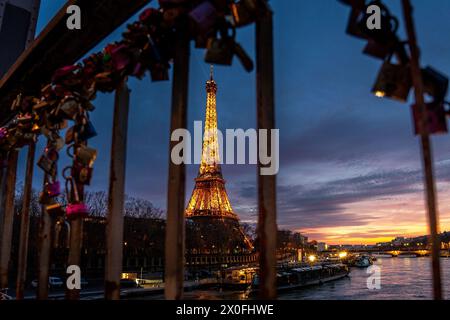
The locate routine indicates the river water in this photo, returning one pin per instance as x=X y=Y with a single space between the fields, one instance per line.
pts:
x=400 y=279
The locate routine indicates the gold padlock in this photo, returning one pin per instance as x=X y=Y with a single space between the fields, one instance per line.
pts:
x=86 y=155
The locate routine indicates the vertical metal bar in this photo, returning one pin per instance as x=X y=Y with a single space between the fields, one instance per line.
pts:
x=76 y=244
x=45 y=243
x=116 y=194
x=8 y=219
x=427 y=156
x=2 y=195
x=267 y=218
x=25 y=223
x=174 y=251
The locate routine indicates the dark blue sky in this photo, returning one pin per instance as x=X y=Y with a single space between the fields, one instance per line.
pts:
x=350 y=165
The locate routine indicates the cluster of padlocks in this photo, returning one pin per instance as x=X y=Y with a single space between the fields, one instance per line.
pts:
x=147 y=45
x=394 y=78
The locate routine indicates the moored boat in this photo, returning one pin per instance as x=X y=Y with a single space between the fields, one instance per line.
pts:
x=363 y=262
x=407 y=255
x=297 y=278
x=237 y=278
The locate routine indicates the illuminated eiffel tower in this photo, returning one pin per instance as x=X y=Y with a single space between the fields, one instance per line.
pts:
x=215 y=226
x=209 y=198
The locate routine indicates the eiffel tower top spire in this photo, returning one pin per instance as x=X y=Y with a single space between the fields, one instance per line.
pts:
x=210 y=162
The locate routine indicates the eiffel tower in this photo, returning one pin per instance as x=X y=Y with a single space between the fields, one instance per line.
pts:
x=214 y=224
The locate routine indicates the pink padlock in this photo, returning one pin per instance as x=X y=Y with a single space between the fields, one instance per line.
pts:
x=76 y=210
x=3 y=133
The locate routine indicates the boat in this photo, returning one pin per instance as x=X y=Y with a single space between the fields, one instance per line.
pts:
x=237 y=278
x=407 y=255
x=363 y=262
x=382 y=255
x=297 y=278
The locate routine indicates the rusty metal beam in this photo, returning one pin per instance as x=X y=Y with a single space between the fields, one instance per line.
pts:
x=57 y=46
x=8 y=219
x=25 y=224
x=267 y=218
x=427 y=155
x=2 y=195
x=116 y=194
x=44 y=252
x=75 y=246
x=175 y=231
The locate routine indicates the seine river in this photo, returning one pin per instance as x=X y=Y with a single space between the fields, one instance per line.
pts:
x=401 y=279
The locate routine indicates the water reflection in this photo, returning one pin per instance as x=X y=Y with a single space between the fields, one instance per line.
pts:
x=401 y=279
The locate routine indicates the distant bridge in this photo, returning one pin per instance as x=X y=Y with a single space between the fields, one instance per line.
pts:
x=394 y=252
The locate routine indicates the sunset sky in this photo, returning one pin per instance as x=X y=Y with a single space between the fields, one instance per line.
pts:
x=350 y=165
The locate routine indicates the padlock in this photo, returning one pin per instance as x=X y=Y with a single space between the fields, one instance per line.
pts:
x=135 y=35
x=62 y=73
x=393 y=81
x=58 y=143
x=149 y=15
x=246 y=12
x=88 y=106
x=120 y=57
x=171 y=15
x=87 y=131
x=26 y=139
x=3 y=133
x=24 y=120
x=435 y=83
x=201 y=40
x=82 y=174
x=46 y=164
x=12 y=137
x=139 y=71
x=104 y=82
x=436 y=118
x=75 y=208
x=389 y=26
x=220 y=51
x=53 y=188
x=85 y=155
x=159 y=72
x=69 y=108
x=379 y=50
x=353 y=27
x=205 y=16
x=52 y=153
x=151 y=52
